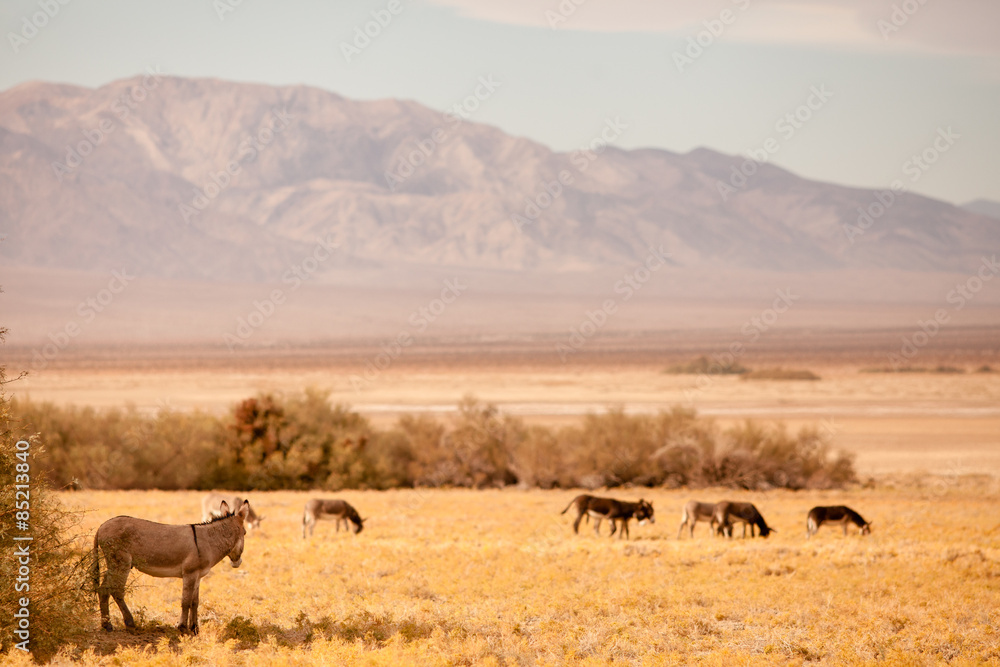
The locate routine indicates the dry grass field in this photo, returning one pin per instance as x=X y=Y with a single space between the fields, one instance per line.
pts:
x=497 y=577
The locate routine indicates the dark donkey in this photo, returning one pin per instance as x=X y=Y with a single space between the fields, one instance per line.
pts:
x=728 y=511
x=836 y=514
x=340 y=510
x=611 y=509
x=186 y=551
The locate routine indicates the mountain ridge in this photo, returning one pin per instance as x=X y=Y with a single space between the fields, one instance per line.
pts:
x=288 y=165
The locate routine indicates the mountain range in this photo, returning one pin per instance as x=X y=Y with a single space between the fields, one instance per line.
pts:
x=209 y=180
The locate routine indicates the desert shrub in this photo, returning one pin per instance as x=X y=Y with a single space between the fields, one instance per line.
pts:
x=780 y=374
x=60 y=609
x=300 y=442
x=759 y=457
x=541 y=458
x=120 y=449
x=705 y=366
x=480 y=444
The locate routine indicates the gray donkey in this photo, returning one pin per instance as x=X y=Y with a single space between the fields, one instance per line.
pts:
x=318 y=508
x=187 y=551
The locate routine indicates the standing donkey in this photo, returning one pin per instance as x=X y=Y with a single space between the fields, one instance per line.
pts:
x=340 y=510
x=695 y=512
x=836 y=514
x=620 y=511
x=187 y=551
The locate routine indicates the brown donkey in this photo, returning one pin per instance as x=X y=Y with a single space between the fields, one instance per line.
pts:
x=835 y=514
x=727 y=511
x=340 y=510
x=187 y=551
x=611 y=509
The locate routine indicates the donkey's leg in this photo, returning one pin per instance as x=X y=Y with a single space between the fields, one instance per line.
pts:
x=614 y=526
x=114 y=584
x=576 y=524
x=845 y=529
x=597 y=525
x=187 y=595
x=624 y=531
x=193 y=614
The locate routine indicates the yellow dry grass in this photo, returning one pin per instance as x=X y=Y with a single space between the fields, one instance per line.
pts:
x=497 y=577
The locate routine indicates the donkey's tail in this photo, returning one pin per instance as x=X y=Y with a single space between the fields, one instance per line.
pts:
x=95 y=565
x=568 y=506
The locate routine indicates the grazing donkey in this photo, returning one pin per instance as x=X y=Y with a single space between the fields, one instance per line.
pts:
x=187 y=551
x=695 y=512
x=317 y=509
x=836 y=514
x=210 y=509
x=727 y=511
x=611 y=509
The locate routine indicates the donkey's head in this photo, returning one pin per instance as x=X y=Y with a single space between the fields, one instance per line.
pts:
x=644 y=512
x=236 y=553
x=866 y=528
x=359 y=525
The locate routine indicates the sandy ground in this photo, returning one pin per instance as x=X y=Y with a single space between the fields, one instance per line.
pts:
x=937 y=422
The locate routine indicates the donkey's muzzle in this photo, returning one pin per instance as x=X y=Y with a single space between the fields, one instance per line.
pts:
x=237 y=562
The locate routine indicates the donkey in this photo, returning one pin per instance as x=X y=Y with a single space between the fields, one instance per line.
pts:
x=163 y=550
x=340 y=510
x=695 y=512
x=611 y=509
x=727 y=511
x=836 y=514
x=210 y=509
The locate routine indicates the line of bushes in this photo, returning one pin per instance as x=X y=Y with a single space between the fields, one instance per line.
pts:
x=303 y=442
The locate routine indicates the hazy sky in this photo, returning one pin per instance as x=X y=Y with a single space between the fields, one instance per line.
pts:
x=884 y=77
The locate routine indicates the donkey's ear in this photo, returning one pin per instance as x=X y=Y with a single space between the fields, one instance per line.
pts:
x=224 y=507
x=244 y=510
